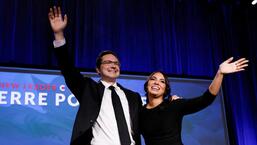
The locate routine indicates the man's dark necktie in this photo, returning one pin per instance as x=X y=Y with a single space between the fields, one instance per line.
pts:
x=120 y=118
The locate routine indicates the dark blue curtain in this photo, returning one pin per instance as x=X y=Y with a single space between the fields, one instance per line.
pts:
x=180 y=37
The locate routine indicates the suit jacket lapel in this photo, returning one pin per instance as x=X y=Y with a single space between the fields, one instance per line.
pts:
x=101 y=88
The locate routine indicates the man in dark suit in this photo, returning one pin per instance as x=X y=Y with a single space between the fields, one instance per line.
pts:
x=96 y=121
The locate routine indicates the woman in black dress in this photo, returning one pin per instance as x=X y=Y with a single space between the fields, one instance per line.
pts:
x=160 y=120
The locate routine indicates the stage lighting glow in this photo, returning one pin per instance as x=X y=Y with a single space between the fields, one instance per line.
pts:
x=254 y=2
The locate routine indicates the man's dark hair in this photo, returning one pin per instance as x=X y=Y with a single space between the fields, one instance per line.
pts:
x=99 y=58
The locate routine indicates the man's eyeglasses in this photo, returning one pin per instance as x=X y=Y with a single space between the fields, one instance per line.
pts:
x=109 y=62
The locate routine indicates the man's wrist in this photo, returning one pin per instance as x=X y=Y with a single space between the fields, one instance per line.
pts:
x=59 y=43
x=59 y=36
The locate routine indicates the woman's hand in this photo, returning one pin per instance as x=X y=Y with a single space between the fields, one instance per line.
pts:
x=230 y=67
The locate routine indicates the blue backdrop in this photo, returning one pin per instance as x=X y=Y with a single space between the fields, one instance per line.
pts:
x=36 y=106
x=180 y=37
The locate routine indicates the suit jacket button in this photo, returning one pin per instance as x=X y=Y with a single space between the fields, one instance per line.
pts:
x=91 y=122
